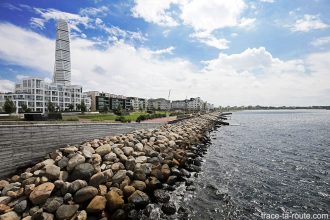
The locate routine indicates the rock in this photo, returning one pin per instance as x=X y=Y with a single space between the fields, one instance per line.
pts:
x=74 y=161
x=52 y=204
x=42 y=216
x=139 y=147
x=128 y=150
x=139 y=199
x=3 y=183
x=63 y=175
x=169 y=208
x=4 y=208
x=28 y=189
x=103 y=150
x=5 y=200
x=63 y=162
x=81 y=215
x=110 y=157
x=52 y=172
x=69 y=149
x=96 y=205
x=119 y=214
x=66 y=211
x=97 y=179
x=153 y=183
x=67 y=197
x=41 y=193
x=161 y=196
x=141 y=159
x=21 y=206
x=103 y=189
x=114 y=200
x=165 y=171
x=117 y=166
x=85 y=194
x=76 y=185
x=128 y=190
x=26 y=175
x=108 y=174
x=130 y=164
x=117 y=151
x=11 y=187
x=119 y=176
x=171 y=143
x=139 y=174
x=82 y=171
x=9 y=216
x=48 y=162
x=139 y=185
x=87 y=151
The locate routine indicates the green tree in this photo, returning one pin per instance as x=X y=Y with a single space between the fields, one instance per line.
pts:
x=25 y=109
x=71 y=107
x=9 y=106
x=51 y=107
x=83 y=107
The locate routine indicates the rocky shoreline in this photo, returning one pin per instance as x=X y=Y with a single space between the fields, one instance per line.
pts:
x=117 y=177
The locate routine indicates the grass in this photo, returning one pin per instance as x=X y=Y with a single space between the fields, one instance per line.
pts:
x=111 y=117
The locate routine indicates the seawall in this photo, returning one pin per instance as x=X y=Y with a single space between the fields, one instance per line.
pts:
x=22 y=145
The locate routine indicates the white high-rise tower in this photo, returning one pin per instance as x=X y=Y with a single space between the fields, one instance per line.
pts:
x=62 y=69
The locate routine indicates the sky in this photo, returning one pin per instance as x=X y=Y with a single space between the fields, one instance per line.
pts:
x=237 y=52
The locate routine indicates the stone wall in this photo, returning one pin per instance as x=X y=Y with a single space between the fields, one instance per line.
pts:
x=22 y=145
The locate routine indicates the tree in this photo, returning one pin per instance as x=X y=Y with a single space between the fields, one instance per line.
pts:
x=51 y=107
x=83 y=107
x=71 y=107
x=9 y=106
x=25 y=109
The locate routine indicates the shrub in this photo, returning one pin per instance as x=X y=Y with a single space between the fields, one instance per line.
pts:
x=9 y=106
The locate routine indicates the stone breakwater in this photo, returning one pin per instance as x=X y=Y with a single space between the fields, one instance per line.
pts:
x=116 y=177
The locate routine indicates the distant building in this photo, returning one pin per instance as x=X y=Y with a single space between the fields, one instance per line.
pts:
x=159 y=104
x=35 y=93
x=192 y=104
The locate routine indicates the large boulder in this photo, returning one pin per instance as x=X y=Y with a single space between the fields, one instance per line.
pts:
x=66 y=211
x=97 y=179
x=9 y=216
x=74 y=161
x=139 y=199
x=85 y=194
x=41 y=193
x=97 y=204
x=52 y=172
x=103 y=150
x=114 y=200
x=82 y=171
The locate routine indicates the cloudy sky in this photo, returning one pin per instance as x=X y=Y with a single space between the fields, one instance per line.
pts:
x=237 y=52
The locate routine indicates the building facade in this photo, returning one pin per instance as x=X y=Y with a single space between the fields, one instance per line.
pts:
x=36 y=94
x=159 y=104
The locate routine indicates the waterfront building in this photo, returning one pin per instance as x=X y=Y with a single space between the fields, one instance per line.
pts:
x=159 y=104
x=35 y=93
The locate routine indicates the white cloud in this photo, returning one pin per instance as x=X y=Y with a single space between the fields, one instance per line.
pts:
x=268 y=1
x=213 y=14
x=101 y=11
x=308 y=23
x=6 y=85
x=168 y=50
x=155 y=11
x=209 y=39
x=253 y=76
x=321 y=41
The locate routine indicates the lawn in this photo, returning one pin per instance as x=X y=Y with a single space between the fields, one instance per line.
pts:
x=111 y=117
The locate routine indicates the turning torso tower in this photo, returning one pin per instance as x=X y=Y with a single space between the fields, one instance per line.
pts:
x=62 y=69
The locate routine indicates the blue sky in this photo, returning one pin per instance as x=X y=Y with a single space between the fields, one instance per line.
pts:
x=239 y=52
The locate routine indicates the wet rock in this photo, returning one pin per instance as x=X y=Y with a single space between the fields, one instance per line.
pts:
x=82 y=171
x=169 y=208
x=128 y=190
x=96 y=205
x=139 y=199
x=119 y=177
x=74 y=161
x=103 y=150
x=97 y=179
x=52 y=172
x=81 y=215
x=161 y=196
x=108 y=174
x=171 y=180
x=139 y=185
x=114 y=200
x=140 y=175
x=20 y=206
x=52 y=204
x=66 y=211
x=63 y=162
x=85 y=194
x=5 y=200
x=110 y=157
x=9 y=216
x=41 y=193
x=119 y=214
x=67 y=197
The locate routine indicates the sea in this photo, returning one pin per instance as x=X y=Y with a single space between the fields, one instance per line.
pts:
x=264 y=165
